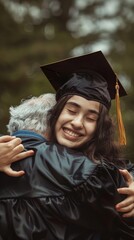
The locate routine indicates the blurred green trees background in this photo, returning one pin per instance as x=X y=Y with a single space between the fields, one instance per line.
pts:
x=34 y=33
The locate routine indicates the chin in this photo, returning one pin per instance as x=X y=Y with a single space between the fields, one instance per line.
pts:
x=65 y=143
x=71 y=145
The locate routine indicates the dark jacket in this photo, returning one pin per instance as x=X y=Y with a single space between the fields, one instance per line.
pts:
x=62 y=196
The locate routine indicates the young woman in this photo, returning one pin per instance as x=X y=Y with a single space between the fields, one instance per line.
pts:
x=86 y=126
x=90 y=76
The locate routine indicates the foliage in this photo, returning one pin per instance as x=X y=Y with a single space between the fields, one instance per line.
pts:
x=39 y=32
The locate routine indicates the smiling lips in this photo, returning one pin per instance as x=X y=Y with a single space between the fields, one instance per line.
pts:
x=71 y=134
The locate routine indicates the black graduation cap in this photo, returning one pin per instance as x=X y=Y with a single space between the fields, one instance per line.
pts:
x=89 y=76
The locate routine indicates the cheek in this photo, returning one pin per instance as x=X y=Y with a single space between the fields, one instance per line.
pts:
x=91 y=128
x=64 y=118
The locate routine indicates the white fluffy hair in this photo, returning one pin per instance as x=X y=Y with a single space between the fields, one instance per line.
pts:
x=31 y=114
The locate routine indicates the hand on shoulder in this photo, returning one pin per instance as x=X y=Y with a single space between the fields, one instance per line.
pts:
x=11 y=150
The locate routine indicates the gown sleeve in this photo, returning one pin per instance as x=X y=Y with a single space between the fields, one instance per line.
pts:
x=92 y=205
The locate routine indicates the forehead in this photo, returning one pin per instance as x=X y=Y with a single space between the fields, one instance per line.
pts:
x=83 y=103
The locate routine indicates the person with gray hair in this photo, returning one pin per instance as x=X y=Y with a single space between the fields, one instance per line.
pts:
x=31 y=114
x=22 y=117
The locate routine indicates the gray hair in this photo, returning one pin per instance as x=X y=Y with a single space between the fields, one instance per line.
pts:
x=31 y=114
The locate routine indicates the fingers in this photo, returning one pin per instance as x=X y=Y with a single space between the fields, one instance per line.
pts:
x=12 y=151
x=127 y=191
x=22 y=155
x=10 y=172
x=127 y=176
x=14 y=143
x=6 y=138
x=18 y=152
x=13 y=173
x=8 y=148
x=127 y=205
x=128 y=202
x=129 y=214
x=18 y=148
x=128 y=209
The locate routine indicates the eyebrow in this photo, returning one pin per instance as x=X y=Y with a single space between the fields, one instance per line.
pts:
x=78 y=106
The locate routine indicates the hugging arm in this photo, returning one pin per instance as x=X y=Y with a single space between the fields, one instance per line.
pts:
x=11 y=150
x=127 y=205
x=95 y=201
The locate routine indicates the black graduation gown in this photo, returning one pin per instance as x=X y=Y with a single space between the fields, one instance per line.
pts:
x=62 y=196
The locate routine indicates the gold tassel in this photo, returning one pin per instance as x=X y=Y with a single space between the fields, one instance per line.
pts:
x=122 y=134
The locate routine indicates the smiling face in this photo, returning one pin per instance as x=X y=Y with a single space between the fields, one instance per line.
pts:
x=77 y=122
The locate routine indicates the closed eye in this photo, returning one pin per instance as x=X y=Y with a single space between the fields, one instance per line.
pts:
x=71 y=111
x=91 y=119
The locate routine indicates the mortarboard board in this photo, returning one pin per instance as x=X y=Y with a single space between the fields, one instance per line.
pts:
x=89 y=76
x=95 y=64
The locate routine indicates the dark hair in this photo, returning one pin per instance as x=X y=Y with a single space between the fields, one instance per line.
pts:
x=53 y=116
x=103 y=145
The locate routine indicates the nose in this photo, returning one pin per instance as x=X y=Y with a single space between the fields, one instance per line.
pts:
x=77 y=122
